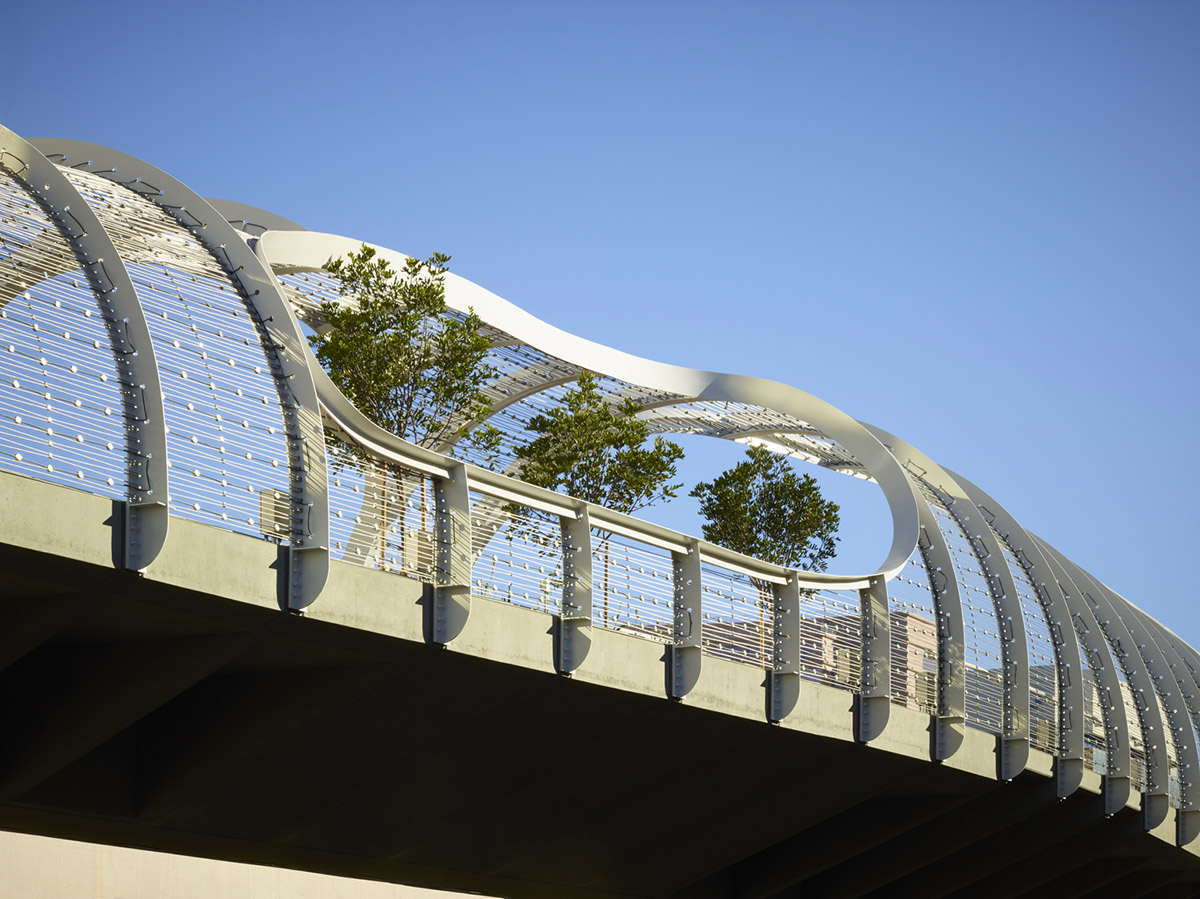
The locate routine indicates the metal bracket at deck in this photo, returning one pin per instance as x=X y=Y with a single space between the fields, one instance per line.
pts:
x=574 y=636
x=683 y=657
x=783 y=681
x=452 y=593
x=874 y=702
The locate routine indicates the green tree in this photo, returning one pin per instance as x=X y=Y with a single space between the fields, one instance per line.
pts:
x=414 y=367
x=591 y=450
x=408 y=363
x=761 y=507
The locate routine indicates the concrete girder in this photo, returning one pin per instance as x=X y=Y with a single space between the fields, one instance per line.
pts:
x=127 y=679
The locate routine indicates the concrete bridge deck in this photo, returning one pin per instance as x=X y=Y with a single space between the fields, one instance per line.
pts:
x=182 y=710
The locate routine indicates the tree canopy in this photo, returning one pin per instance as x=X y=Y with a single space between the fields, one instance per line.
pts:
x=411 y=365
x=761 y=507
x=593 y=451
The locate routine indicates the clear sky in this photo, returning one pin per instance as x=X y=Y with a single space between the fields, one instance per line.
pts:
x=975 y=225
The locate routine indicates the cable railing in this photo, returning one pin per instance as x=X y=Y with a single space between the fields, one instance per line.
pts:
x=518 y=555
x=633 y=587
x=738 y=616
x=831 y=637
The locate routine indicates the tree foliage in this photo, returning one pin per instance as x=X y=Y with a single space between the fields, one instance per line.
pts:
x=592 y=451
x=411 y=365
x=761 y=507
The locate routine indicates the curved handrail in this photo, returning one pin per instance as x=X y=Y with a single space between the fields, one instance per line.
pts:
x=296 y=251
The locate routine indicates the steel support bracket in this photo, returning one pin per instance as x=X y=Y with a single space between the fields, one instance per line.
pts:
x=1116 y=793
x=783 y=680
x=1068 y=775
x=145 y=527
x=948 y=732
x=874 y=705
x=1187 y=826
x=452 y=593
x=683 y=657
x=308 y=570
x=573 y=638
x=1155 y=808
x=1012 y=755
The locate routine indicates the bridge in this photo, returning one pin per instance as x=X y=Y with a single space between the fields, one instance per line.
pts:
x=224 y=640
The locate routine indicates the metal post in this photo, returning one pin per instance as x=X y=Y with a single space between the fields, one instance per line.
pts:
x=1013 y=740
x=452 y=593
x=1183 y=708
x=952 y=690
x=683 y=658
x=783 y=680
x=1014 y=642
x=875 y=697
x=1143 y=666
x=575 y=618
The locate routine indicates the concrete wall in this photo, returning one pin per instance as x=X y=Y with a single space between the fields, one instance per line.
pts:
x=34 y=867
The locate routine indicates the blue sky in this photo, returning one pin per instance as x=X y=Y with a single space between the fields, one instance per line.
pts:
x=972 y=224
